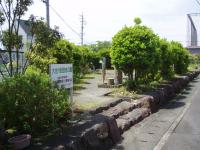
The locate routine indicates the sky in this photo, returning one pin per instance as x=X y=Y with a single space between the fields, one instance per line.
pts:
x=104 y=18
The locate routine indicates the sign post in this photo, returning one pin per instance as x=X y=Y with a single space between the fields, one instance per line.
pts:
x=62 y=75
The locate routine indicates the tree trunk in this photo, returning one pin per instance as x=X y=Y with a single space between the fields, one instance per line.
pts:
x=136 y=76
x=130 y=75
x=118 y=77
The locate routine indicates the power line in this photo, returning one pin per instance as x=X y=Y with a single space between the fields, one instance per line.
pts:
x=64 y=21
x=198 y=2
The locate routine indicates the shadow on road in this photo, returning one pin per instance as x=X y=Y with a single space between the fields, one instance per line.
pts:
x=174 y=104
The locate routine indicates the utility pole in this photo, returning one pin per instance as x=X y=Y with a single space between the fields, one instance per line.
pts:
x=47 y=11
x=82 y=28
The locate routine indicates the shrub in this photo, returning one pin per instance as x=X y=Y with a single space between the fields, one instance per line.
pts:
x=30 y=102
x=194 y=60
x=130 y=85
x=180 y=57
x=166 y=66
x=135 y=48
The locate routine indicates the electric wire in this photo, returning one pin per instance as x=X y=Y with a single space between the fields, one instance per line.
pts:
x=73 y=30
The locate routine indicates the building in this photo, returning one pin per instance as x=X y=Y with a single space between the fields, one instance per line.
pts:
x=25 y=32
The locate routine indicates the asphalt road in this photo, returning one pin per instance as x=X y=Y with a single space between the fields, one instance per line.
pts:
x=186 y=135
x=176 y=126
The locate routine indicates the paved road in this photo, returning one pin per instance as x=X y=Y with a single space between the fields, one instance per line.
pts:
x=186 y=135
x=175 y=126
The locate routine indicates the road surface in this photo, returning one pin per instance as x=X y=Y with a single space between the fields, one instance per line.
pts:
x=176 y=126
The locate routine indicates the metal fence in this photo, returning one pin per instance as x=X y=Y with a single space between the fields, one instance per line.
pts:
x=5 y=60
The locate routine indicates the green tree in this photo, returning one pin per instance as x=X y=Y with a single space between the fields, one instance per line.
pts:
x=137 y=21
x=166 y=59
x=100 y=45
x=45 y=36
x=47 y=44
x=102 y=49
x=31 y=102
x=135 y=48
x=180 y=57
x=63 y=51
x=10 y=11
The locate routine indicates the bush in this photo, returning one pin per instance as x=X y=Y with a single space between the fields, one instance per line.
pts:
x=135 y=48
x=180 y=56
x=166 y=66
x=130 y=85
x=194 y=60
x=30 y=102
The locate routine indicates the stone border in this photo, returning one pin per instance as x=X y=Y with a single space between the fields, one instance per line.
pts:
x=167 y=91
x=153 y=100
x=100 y=132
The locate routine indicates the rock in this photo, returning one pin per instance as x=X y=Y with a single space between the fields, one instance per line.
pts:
x=123 y=125
x=3 y=136
x=105 y=107
x=112 y=104
x=160 y=94
x=75 y=145
x=114 y=132
x=126 y=121
x=101 y=130
x=148 y=102
x=90 y=139
x=119 y=109
x=60 y=147
x=177 y=85
x=101 y=136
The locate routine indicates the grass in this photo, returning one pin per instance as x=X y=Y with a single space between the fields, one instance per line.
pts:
x=82 y=106
x=122 y=92
x=11 y=131
x=193 y=67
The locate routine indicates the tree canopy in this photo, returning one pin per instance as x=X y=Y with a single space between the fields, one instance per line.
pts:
x=138 y=51
x=134 y=48
x=10 y=11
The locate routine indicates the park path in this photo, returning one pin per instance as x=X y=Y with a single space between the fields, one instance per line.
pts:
x=90 y=94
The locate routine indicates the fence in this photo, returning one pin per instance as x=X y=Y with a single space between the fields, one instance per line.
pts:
x=5 y=61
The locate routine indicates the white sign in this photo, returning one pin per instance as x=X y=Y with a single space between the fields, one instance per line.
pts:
x=62 y=74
